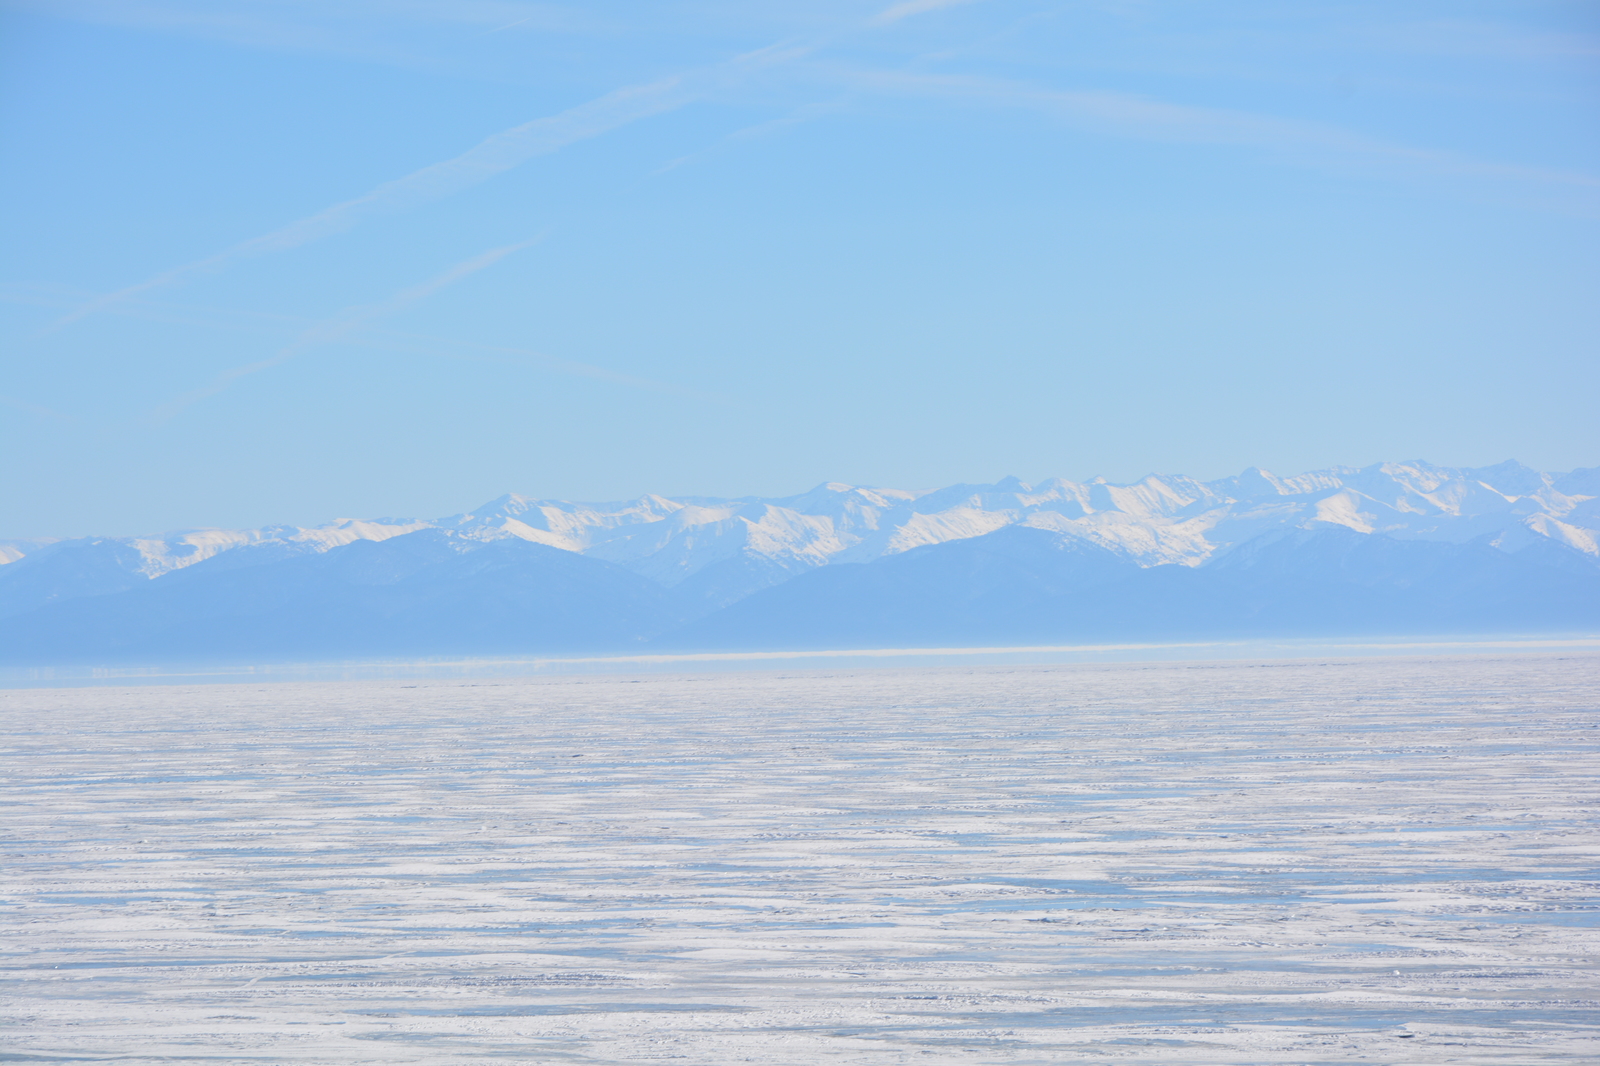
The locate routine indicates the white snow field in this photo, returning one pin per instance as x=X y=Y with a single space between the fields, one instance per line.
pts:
x=1382 y=860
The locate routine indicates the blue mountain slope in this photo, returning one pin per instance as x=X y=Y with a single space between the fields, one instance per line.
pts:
x=435 y=592
x=425 y=593
x=1336 y=582
x=67 y=571
x=1029 y=586
x=992 y=588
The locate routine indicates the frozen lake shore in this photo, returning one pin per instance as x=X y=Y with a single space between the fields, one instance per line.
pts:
x=1385 y=860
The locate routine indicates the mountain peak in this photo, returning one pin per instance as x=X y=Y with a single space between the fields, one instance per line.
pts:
x=751 y=542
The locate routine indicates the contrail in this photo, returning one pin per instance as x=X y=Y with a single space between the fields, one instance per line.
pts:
x=367 y=334
x=492 y=156
x=447 y=348
x=1128 y=115
x=34 y=409
x=509 y=25
x=913 y=7
x=337 y=327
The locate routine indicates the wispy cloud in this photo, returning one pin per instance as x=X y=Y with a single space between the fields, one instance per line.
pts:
x=512 y=25
x=448 y=348
x=1498 y=40
x=34 y=409
x=1127 y=115
x=908 y=8
x=494 y=155
x=63 y=298
x=339 y=327
x=365 y=333
x=236 y=23
x=805 y=113
x=352 y=28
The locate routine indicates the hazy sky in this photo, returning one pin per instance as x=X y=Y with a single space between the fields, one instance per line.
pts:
x=286 y=260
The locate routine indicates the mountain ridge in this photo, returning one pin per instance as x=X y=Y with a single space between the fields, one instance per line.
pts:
x=692 y=557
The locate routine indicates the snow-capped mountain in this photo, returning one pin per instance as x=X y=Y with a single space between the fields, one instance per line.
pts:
x=724 y=549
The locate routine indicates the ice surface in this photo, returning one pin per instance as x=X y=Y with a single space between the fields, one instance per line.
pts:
x=1288 y=862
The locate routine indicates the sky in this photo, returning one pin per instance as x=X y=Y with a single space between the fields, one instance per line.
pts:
x=281 y=261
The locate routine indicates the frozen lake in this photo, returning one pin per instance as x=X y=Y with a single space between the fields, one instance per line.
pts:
x=1382 y=860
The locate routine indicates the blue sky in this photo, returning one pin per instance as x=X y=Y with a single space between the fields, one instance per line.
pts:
x=272 y=260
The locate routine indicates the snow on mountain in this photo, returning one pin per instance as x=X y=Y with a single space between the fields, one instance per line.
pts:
x=175 y=551
x=756 y=542
x=12 y=550
x=559 y=523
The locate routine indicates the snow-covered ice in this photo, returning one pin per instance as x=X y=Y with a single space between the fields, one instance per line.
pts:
x=1383 y=860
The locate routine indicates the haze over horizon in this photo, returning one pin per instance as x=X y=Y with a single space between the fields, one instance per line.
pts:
x=273 y=261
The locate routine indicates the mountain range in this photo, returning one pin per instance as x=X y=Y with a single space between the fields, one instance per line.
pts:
x=1393 y=548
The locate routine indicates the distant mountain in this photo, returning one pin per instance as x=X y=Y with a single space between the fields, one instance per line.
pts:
x=45 y=572
x=1029 y=586
x=430 y=592
x=1394 y=547
x=991 y=587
